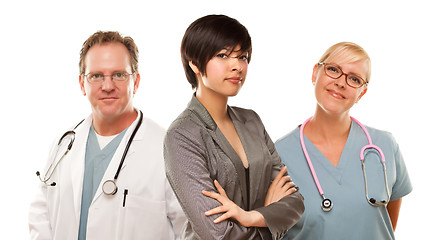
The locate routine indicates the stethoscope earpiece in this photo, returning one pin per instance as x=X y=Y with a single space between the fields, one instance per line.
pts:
x=53 y=165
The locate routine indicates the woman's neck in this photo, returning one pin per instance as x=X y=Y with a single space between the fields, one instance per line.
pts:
x=215 y=104
x=326 y=127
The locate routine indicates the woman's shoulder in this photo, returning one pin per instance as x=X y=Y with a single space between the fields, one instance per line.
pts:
x=380 y=136
x=378 y=132
x=244 y=113
x=186 y=121
x=290 y=136
x=247 y=116
x=288 y=141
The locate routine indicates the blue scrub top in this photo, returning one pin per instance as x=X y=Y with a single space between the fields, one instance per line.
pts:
x=96 y=163
x=351 y=217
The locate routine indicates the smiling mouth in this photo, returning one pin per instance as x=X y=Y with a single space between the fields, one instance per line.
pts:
x=107 y=98
x=336 y=94
x=235 y=80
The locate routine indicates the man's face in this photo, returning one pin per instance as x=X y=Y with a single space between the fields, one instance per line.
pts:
x=109 y=99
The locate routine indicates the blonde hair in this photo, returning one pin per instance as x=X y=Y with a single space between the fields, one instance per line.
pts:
x=349 y=52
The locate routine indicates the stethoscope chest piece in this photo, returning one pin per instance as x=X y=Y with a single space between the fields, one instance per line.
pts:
x=326 y=205
x=109 y=187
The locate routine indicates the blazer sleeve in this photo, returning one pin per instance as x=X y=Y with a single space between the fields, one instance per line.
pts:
x=282 y=215
x=187 y=171
x=174 y=211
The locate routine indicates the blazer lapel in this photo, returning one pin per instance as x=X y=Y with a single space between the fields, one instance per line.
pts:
x=219 y=138
x=251 y=143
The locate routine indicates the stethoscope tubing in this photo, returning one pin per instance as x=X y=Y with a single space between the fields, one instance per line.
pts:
x=109 y=187
x=308 y=159
x=46 y=178
x=52 y=168
x=382 y=158
x=370 y=145
x=128 y=146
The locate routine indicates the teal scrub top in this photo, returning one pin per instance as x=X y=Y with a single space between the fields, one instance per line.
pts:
x=351 y=217
x=96 y=163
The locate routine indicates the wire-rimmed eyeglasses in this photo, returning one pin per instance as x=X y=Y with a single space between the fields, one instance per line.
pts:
x=99 y=78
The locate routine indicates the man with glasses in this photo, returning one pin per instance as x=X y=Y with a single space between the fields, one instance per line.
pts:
x=110 y=183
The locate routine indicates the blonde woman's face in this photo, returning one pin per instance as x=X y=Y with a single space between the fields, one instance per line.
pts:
x=335 y=95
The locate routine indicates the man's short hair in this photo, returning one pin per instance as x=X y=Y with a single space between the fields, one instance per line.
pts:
x=101 y=37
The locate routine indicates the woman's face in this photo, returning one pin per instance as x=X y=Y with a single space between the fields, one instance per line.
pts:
x=225 y=72
x=335 y=96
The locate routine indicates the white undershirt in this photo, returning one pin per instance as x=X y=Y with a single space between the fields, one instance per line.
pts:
x=104 y=140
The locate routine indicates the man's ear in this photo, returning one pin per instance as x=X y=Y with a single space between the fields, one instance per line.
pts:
x=136 y=83
x=82 y=86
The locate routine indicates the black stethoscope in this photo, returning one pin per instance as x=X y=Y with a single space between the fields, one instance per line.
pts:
x=109 y=187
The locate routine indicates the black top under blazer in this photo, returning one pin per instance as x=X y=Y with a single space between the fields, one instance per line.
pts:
x=196 y=152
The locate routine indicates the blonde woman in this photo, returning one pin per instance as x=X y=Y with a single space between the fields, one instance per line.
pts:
x=329 y=153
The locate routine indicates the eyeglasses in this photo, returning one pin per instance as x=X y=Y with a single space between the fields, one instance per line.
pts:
x=99 y=78
x=334 y=71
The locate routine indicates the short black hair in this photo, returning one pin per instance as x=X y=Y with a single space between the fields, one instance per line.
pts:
x=208 y=35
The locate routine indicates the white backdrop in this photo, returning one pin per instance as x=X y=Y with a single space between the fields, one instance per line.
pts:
x=41 y=98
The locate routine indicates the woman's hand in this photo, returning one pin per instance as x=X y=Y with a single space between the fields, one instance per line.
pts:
x=231 y=210
x=280 y=187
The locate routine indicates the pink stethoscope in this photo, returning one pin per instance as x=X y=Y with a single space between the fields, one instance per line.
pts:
x=327 y=204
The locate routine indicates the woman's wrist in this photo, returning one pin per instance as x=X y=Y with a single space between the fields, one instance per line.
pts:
x=255 y=219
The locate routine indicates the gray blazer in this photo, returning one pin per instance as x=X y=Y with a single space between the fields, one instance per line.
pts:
x=196 y=153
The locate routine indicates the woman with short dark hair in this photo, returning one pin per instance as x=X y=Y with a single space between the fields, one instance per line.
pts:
x=220 y=161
